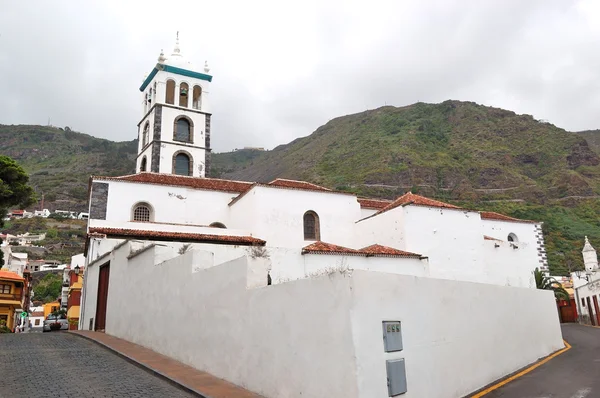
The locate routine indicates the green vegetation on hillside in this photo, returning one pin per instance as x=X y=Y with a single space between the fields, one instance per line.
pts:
x=60 y=161
x=48 y=288
x=64 y=238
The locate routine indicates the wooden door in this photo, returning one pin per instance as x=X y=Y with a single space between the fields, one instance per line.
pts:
x=591 y=312
x=103 y=278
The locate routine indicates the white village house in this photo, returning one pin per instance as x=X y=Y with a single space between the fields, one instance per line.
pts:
x=291 y=289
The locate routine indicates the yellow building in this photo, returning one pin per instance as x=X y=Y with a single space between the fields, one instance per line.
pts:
x=11 y=298
x=49 y=308
x=74 y=300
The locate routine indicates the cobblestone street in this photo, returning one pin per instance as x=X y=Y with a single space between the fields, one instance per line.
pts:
x=62 y=365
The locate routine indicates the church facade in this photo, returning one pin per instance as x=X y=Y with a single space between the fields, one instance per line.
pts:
x=284 y=286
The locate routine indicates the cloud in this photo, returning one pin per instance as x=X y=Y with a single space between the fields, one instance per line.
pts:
x=282 y=69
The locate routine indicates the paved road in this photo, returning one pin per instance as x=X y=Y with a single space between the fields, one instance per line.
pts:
x=58 y=364
x=573 y=374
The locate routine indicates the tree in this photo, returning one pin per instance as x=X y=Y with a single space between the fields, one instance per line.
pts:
x=14 y=189
x=547 y=283
x=48 y=288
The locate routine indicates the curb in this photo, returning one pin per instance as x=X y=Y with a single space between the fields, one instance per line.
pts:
x=521 y=372
x=145 y=367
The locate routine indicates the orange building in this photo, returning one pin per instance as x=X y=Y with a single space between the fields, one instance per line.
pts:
x=12 y=295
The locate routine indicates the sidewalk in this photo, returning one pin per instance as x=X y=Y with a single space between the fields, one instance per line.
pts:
x=201 y=383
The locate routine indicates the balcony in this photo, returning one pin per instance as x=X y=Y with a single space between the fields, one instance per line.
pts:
x=11 y=299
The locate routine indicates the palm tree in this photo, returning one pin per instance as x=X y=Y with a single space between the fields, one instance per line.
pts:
x=547 y=283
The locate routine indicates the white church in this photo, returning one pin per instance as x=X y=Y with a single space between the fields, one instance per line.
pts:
x=290 y=289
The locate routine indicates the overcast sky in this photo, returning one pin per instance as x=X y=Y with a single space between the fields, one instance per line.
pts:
x=281 y=69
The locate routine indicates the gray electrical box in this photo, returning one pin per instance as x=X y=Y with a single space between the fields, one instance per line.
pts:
x=392 y=336
x=396 y=376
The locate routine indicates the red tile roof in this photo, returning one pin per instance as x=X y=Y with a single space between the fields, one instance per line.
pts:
x=376 y=204
x=18 y=211
x=411 y=198
x=327 y=248
x=282 y=182
x=490 y=215
x=212 y=184
x=10 y=275
x=370 y=251
x=177 y=236
x=387 y=251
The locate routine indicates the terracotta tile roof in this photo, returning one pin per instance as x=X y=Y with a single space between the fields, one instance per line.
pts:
x=327 y=248
x=177 y=236
x=370 y=251
x=490 y=215
x=485 y=237
x=10 y=275
x=376 y=204
x=387 y=251
x=410 y=198
x=282 y=182
x=212 y=184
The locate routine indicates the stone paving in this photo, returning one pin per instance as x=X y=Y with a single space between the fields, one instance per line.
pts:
x=59 y=364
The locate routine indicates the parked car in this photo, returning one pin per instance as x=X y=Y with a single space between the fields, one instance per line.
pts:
x=55 y=322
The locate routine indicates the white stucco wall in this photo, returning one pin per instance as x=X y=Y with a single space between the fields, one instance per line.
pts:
x=582 y=293
x=321 y=336
x=457 y=336
x=385 y=229
x=304 y=350
x=171 y=204
x=453 y=242
x=278 y=215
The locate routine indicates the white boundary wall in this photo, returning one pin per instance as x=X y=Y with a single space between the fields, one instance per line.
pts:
x=322 y=337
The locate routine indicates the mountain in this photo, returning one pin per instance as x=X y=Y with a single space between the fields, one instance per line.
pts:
x=471 y=155
x=60 y=161
x=457 y=150
x=593 y=139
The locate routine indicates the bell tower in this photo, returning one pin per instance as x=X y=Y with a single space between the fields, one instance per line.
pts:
x=174 y=131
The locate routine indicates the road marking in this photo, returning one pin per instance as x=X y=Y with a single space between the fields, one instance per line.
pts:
x=524 y=372
x=582 y=393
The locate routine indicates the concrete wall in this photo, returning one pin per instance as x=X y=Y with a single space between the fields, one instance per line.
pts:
x=321 y=336
x=286 y=340
x=458 y=336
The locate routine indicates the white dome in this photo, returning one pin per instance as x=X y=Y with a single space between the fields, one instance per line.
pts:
x=176 y=59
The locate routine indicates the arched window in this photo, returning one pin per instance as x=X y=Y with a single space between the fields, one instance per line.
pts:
x=184 y=91
x=170 y=96
x=196 y=97
x=183 y=130
x=182 y=164
x=217 y=225
x=142 y=212
x=512 y=238
x=145 y=134
x=143 y=164
x=311 y=226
